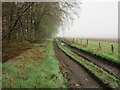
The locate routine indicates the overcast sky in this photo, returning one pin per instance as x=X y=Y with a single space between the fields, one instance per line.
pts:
x=98 y=18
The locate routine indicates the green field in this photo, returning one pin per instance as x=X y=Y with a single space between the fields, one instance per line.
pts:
x=105 y=47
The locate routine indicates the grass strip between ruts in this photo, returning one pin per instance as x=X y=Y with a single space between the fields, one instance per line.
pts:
x=108 y=79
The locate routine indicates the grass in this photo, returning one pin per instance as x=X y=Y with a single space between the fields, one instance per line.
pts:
x=105 y=47
x=108 y=79
x=114 y=60
x=94 y=45
x=35 y=68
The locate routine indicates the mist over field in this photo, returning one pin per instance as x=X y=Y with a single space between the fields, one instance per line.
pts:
x=97 y=20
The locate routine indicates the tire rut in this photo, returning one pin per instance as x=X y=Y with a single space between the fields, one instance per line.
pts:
x=77 y=75
x=112 y=69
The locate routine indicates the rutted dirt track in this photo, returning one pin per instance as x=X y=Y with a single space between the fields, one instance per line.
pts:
x=113 y=69
x=77 y=75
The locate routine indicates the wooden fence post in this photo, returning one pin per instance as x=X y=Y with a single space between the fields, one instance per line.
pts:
x=99 y=45
x=112 y=48
x=87 y=41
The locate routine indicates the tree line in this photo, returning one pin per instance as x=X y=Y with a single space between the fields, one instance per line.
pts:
x=35 y=21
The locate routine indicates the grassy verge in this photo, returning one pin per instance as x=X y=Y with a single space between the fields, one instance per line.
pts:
x=108 y=79
x=35 y=68
x=12 y=49
x=106 y=56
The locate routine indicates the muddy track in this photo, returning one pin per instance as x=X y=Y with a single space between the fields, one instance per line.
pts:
x=77 y=75
x=112 y=69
